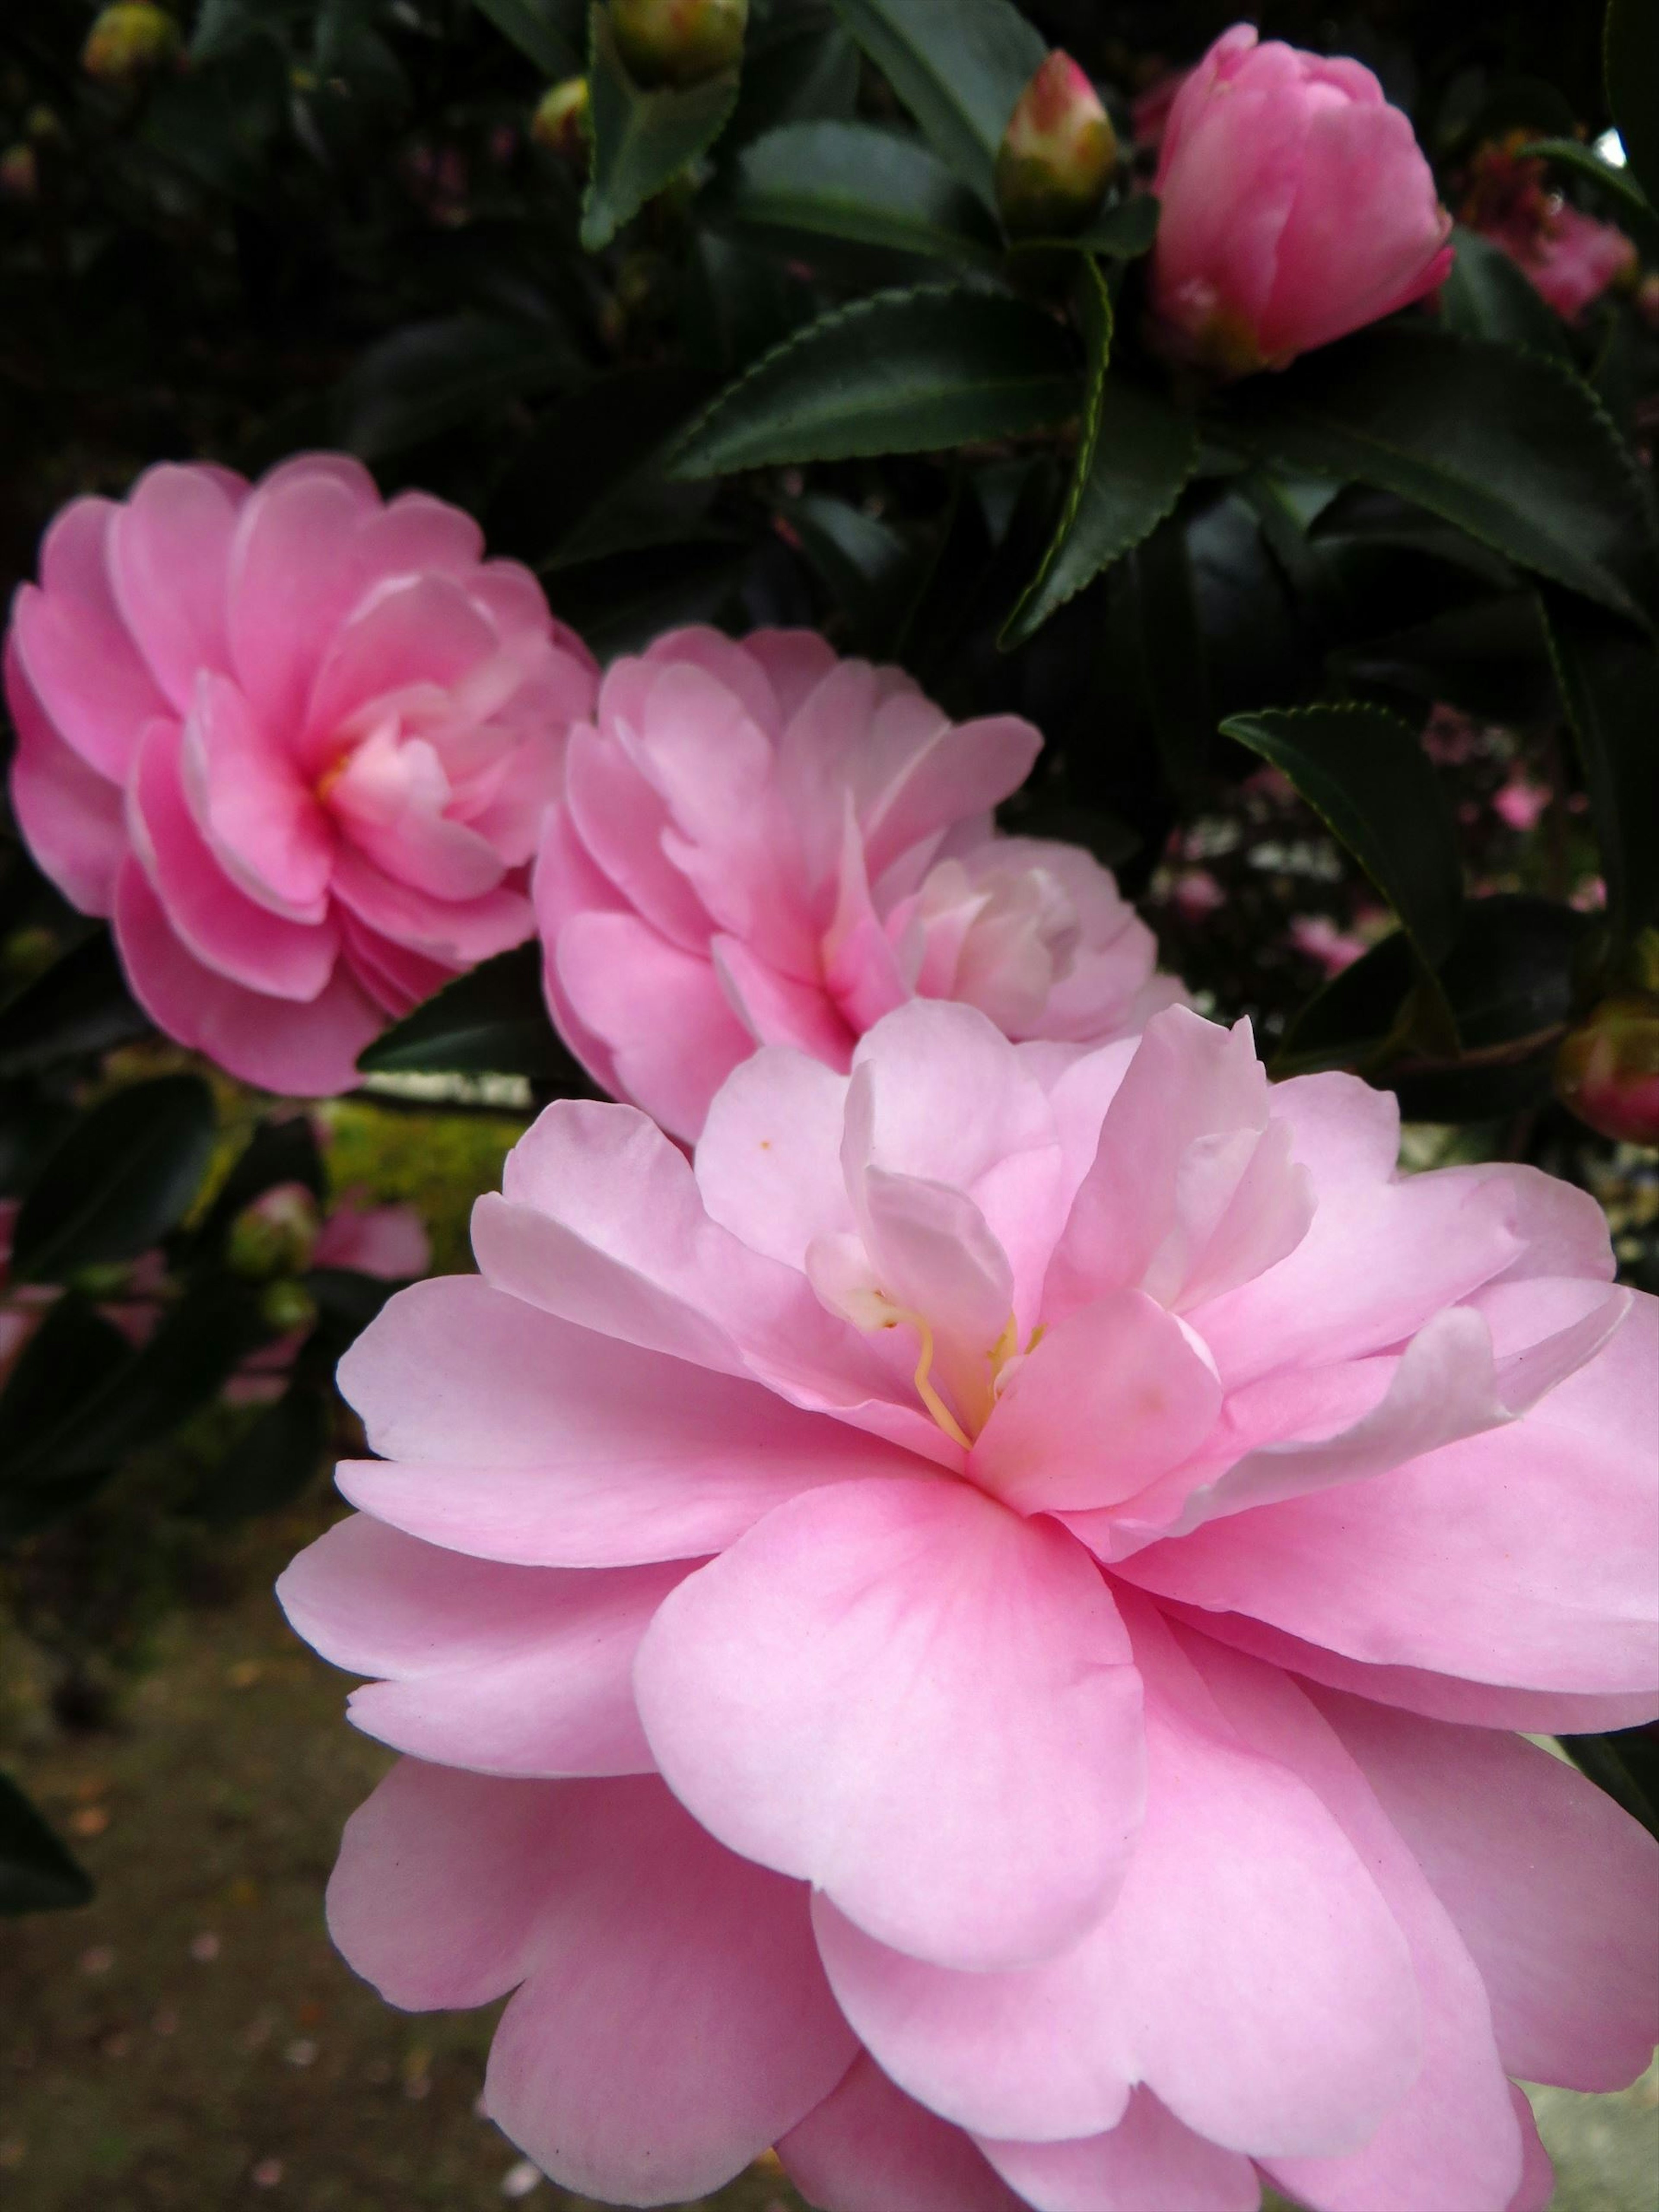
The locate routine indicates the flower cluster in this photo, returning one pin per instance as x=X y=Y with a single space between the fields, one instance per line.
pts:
x=959 y=1591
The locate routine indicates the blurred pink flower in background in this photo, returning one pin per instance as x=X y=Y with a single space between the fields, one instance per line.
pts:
x=1520 y=804
x=1570 y=256
x=1320 y=938
x=387 y=1242
x=758 y=844
x=296 y=743
x=1021 y=1563
x=1297 y=207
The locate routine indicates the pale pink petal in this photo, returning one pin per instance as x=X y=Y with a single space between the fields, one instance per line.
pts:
x=1537 y=2172
x=807 y=1694
x=868 y=2147
x=169 y=557
x=1552 y=1887
x=389 y=1242
x=620 y=819
x=388 y=800
x=777 y=1009
x=291 y=581
x=1112 y=1396
x=92 y=685
x=396 y=978
x=217 y=921
x=966 y=766
x=769 y=1159
x=1452 y=2138
x=1147 y=2163
x=659 y=1010
x=455 y=931
x=675 y=2022
x=307 y=1051
x=71 y=815
x=262 y=822
x=500 y=1670
x=514 y=1435
x=410 y=630
x=1521 y=1557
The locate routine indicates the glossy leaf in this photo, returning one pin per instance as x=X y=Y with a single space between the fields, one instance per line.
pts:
x=539 y=28
x=641 y=139
x=902 y=371
x=1487 y=295
x=959 y=69
x=1159 y=659
x=870 y=569
x=1513 y=449
x=37 y=1872
x=123 y=1177
x=80 y=1005
x=1633 y=203
x=72 y=1354
x=1366 y=776
x=797 y=68
x=1631 y=54
x=493 y=1020
x=1135 y=455
x=427 y=378
x=1609 y=682
x=275 y=1462
x=857 y=182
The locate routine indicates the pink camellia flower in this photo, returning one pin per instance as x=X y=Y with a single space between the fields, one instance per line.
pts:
x=1297 y=207
x=296 y=743
x=972 y=1633
x=1570 y=256
x=758 y=844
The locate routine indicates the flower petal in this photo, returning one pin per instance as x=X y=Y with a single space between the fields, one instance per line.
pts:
x=808 y=1695
x=1147 y=2163
x=868 y=2147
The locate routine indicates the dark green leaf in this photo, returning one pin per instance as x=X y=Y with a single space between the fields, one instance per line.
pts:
x=37 y=1874
x=1488 y=657
x=958 y=69
x=274 y=1463
x=642 y=140
x=1634 y=206
x=1123 y=232
x=1511 y=448
x=1156 y=638
x=904 y=371
x=868 y=566
x=494 y=1020
x=540 y=29
x=1135 y=455
x=80 y=1005
x=123 y=1177
x=858 y=183
x=1609 y=681
x=427 y=378
x=1366 y=776
x=1631 y=52
x=66 y=1362
x=798 y=69
x=1625 y=1764
x=1487 y=296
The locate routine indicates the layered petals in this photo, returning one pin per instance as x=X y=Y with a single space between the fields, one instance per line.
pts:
x=759 y=844
x=320 y=728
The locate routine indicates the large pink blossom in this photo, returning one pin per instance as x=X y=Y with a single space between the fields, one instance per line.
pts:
x=972 y=1633
x=297 y=744
x=758 y=844
x=1297 y=207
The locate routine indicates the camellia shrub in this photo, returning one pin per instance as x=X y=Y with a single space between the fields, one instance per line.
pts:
x=996 y=667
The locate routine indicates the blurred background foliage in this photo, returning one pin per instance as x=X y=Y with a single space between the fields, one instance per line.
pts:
x=1374 y=741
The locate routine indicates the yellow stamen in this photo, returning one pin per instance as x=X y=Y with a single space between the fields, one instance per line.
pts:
x=925 y=1391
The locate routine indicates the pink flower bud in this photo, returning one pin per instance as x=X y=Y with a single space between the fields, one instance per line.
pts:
x=277 y=1235
x=1297 y=207
x=128 y=40
x=1057 y=154
x=1607 y=1069
x=560 y=122
x=679 y=41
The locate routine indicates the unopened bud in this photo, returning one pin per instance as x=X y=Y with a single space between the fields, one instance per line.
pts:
x=560 y=122
x=128 y=40
x=678 y=41
x=275 y=1235
x=1608 y=1068
x=1057 y=154
x=20 y=174
x=287 y=1307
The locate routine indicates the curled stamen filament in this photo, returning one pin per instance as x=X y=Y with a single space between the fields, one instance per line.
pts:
x=925 y=1391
